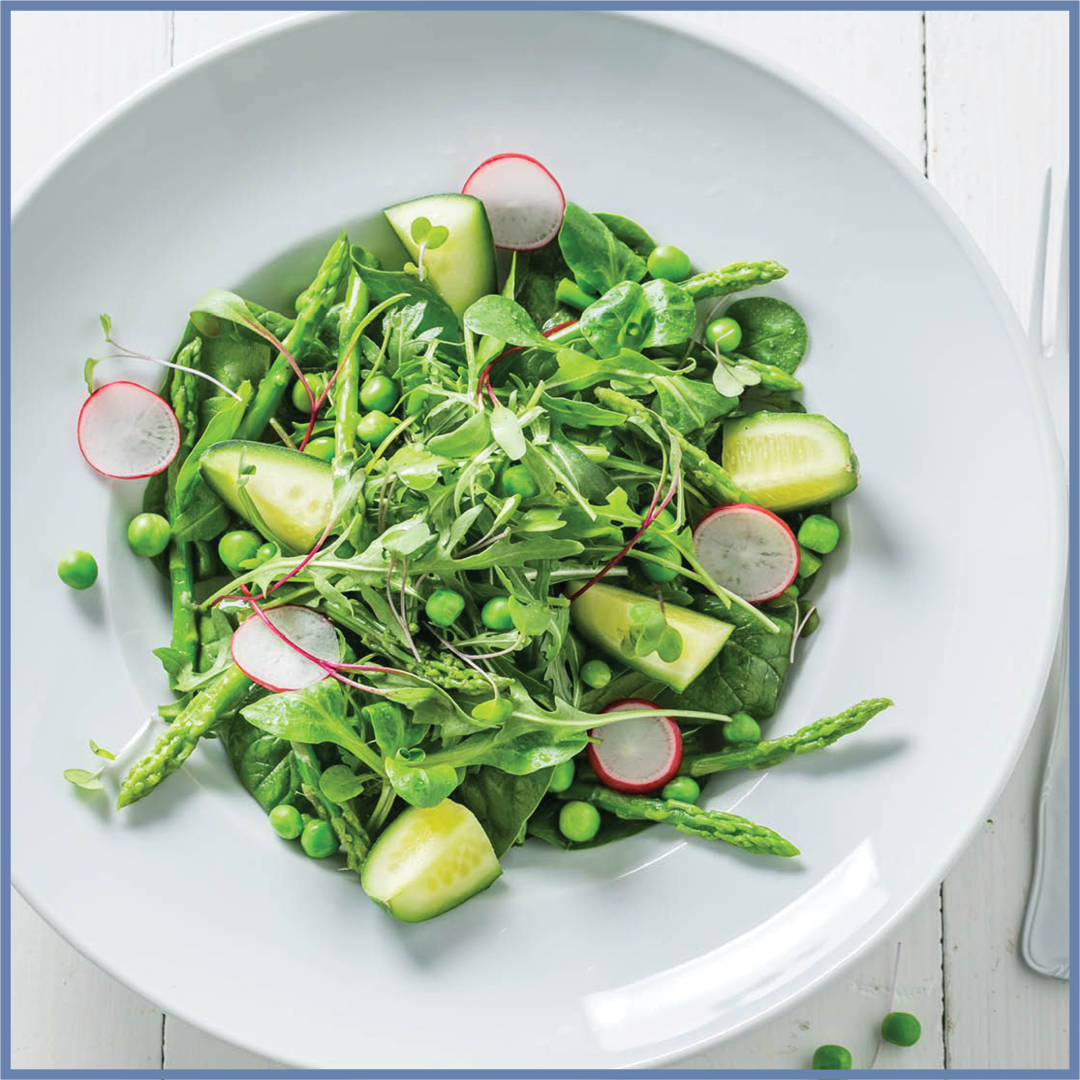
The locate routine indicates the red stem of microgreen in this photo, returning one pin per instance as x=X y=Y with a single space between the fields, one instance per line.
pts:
x=651 y=515
x=261 y=330
x=484 y=382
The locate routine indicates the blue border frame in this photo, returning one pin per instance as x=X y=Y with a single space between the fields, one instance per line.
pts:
x=6 y=8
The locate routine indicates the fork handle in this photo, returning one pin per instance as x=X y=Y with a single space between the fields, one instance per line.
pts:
x=1045 y=939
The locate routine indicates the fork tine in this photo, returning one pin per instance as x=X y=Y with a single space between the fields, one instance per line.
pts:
x=1061 y=321
x=1038 y=283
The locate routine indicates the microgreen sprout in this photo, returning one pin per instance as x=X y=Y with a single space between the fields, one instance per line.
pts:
x=91 y=781
x=124 y=353
x=428 y=237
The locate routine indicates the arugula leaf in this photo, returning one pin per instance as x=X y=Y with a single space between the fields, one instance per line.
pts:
x=506 y=431
x=597 y=258
x=580 y=414
x=501 y=802
x=773 y=332
x=223 y=426
x=577 y=371
x=434 y=312
x=464 y=441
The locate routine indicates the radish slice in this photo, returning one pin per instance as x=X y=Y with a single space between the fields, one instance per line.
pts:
x=636 y=755
x=263 y=657
x=524 y=202
x=748 y=550
x=127 y=432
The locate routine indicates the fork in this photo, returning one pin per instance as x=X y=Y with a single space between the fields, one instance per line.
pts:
x=1045 y=938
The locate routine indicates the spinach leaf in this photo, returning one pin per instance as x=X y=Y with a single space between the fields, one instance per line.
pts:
x=503 y=319
x=598 y=259
x=204 y=518
x=316 y=714
x=262 y=762
x=593 y=482
x=629 y=232
x=688 y=405
x=536 y=290
x=749 y=673
x=621 y=318
x=234 y=358
x=502 y=803
x=420 y=785
x=674 y=315
x=436 y=313
x=465 y=441
x=773 y=332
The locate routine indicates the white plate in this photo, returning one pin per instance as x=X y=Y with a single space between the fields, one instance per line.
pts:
x=237 y=171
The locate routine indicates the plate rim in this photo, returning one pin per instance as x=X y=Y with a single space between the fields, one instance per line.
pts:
x=667 y=22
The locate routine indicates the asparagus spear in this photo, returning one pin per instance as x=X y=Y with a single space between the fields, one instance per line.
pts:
x=347 y=395
x=185 y=630
x=687 y=818
x=814 y=736
x=319 y=296
x=733 y=278
x=181 y=737
x=351 y=834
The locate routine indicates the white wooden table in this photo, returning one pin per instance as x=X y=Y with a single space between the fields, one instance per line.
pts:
x=978 y=100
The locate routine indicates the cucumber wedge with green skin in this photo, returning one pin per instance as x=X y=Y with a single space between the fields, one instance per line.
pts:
x=291 y=492
x=602 y=617
x=463 y=268
x=787 y=461
x=429 y=861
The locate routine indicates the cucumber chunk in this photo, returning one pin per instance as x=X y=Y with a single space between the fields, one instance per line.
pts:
x=463 y=268
x=291 y=492
x=785 y=461
x=602 y=617
x=429 y=861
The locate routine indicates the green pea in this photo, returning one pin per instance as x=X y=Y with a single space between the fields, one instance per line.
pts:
x=493 y=711
x=579 y=821
x=77 y=569
x=831 y=1057
x=444 y=606
x=809 y=563
x=237 y=547
x=655 y=572
x=266 y=553
x=286 y=821
x=323 y=448
x=901 y=1029
x=319 y=839
x=670 y=263
x=683 y=789
x=723 y=334
x=374 y=427
x=496 y=614
x=300 y=398
x=562 y=777
x=379 y=394
x=742 y=728
x=819 y=533
x=148 y=534
x=595 y=673
x=517 y=480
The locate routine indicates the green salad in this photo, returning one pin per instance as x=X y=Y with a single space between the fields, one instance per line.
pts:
x=513 y=543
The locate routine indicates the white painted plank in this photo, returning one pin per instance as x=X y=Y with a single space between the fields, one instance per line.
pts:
x=998 y=115
x=68 y=68
x=188 y=1047
x=66 y=1013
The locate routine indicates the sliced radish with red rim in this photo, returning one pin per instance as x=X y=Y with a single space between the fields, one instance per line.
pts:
x=748 y=550
x=127 y=432
x=281 y=665
x=524 y=202
x=636 y=755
